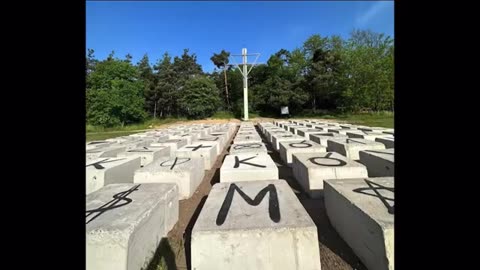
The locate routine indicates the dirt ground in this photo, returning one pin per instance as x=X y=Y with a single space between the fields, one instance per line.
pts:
x=174 y=252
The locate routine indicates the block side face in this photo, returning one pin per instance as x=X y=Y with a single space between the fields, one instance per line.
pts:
x=278 y=248
x=105 y=256
x=144 y=241
x=378 y=165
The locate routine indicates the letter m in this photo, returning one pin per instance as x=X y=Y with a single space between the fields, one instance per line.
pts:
x=273 y=207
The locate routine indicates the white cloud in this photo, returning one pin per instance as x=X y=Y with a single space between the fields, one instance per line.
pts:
x=365 y=17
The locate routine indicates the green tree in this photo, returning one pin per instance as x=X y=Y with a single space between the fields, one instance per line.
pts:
x=200 y=98
x=166 y=91
x=115 y=96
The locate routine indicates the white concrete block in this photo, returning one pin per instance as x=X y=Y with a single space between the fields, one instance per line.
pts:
x=350 y=147
x=220 y=139
x=277 y=138
x=111 y=151
x=307 y=131
x=125 y=223
x=367 y=135
x=323 y=138
x=247 y=139
x=253 y=148
x=187 y=173
x=362 y=212
x=389 y=142
x=300 y=146
x=263 y=226
x=248 y=167
x=174 y=144
x=312 y=169
x=105 y=171
x=147 y=154
x=207 y=152
x=379 y=163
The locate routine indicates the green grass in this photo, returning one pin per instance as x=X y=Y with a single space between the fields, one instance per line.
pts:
x=101 y=133
x=107 y=135
x=223 y=115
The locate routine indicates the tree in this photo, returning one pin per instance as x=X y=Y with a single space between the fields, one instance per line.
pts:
x=115 y=96
x=200 y=98
x=221 y=61
x=166 y=91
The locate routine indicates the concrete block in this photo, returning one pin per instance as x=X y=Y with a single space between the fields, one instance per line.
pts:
x=389 y=142
x=98 y=144
x=350 y=147
x=247 y=139
x=207 y=152
x=187 y=173
x=105 y=171
x=111 y=151
x=174 y=144
x=362 y=212
x=219 y=140
x=248 y=148
x=147 y=154
x=300 y=146
x=270 y=134
x=307 y=131
x=379 y=163
x=263 y=226
x=277 y=138
x=312 y=169
x=323 y=138
x=367 y=135
x=125 y=223
x=248 y=167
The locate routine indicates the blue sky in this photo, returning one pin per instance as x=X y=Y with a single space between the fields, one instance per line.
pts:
x=207 y=27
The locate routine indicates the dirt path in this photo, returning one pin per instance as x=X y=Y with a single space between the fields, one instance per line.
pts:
x=174 y=252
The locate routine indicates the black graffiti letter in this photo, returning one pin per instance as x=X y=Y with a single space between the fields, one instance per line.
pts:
x=243 y=161
x=340 y=162
x=375 y=187
x=273 y=206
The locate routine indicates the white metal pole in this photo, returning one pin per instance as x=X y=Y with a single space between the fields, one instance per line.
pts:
x=245 y=85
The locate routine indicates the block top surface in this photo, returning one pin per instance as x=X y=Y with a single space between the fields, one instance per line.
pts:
x=388 y=154
x=325 y=159
x=374 y=196
x=250 y=205
x=107 y=162
x=301 y=144
x=248 y=161
x=171 y=164
x=121 y=207
x=357 y=142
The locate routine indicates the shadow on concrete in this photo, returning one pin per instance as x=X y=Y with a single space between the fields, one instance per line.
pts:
x=216 y=177
x=164 y=257
x=188 y=232
x=327 y=235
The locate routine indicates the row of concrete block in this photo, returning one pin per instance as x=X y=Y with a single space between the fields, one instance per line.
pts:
x=134 y=185
x=337 y=169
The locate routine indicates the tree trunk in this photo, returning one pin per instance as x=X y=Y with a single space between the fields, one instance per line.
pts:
x=314 y=104
x=155 y=110
x=226 y=88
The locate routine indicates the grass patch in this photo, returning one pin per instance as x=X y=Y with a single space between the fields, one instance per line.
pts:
x=223 y=115
x=139 y=126
x=107 y=135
